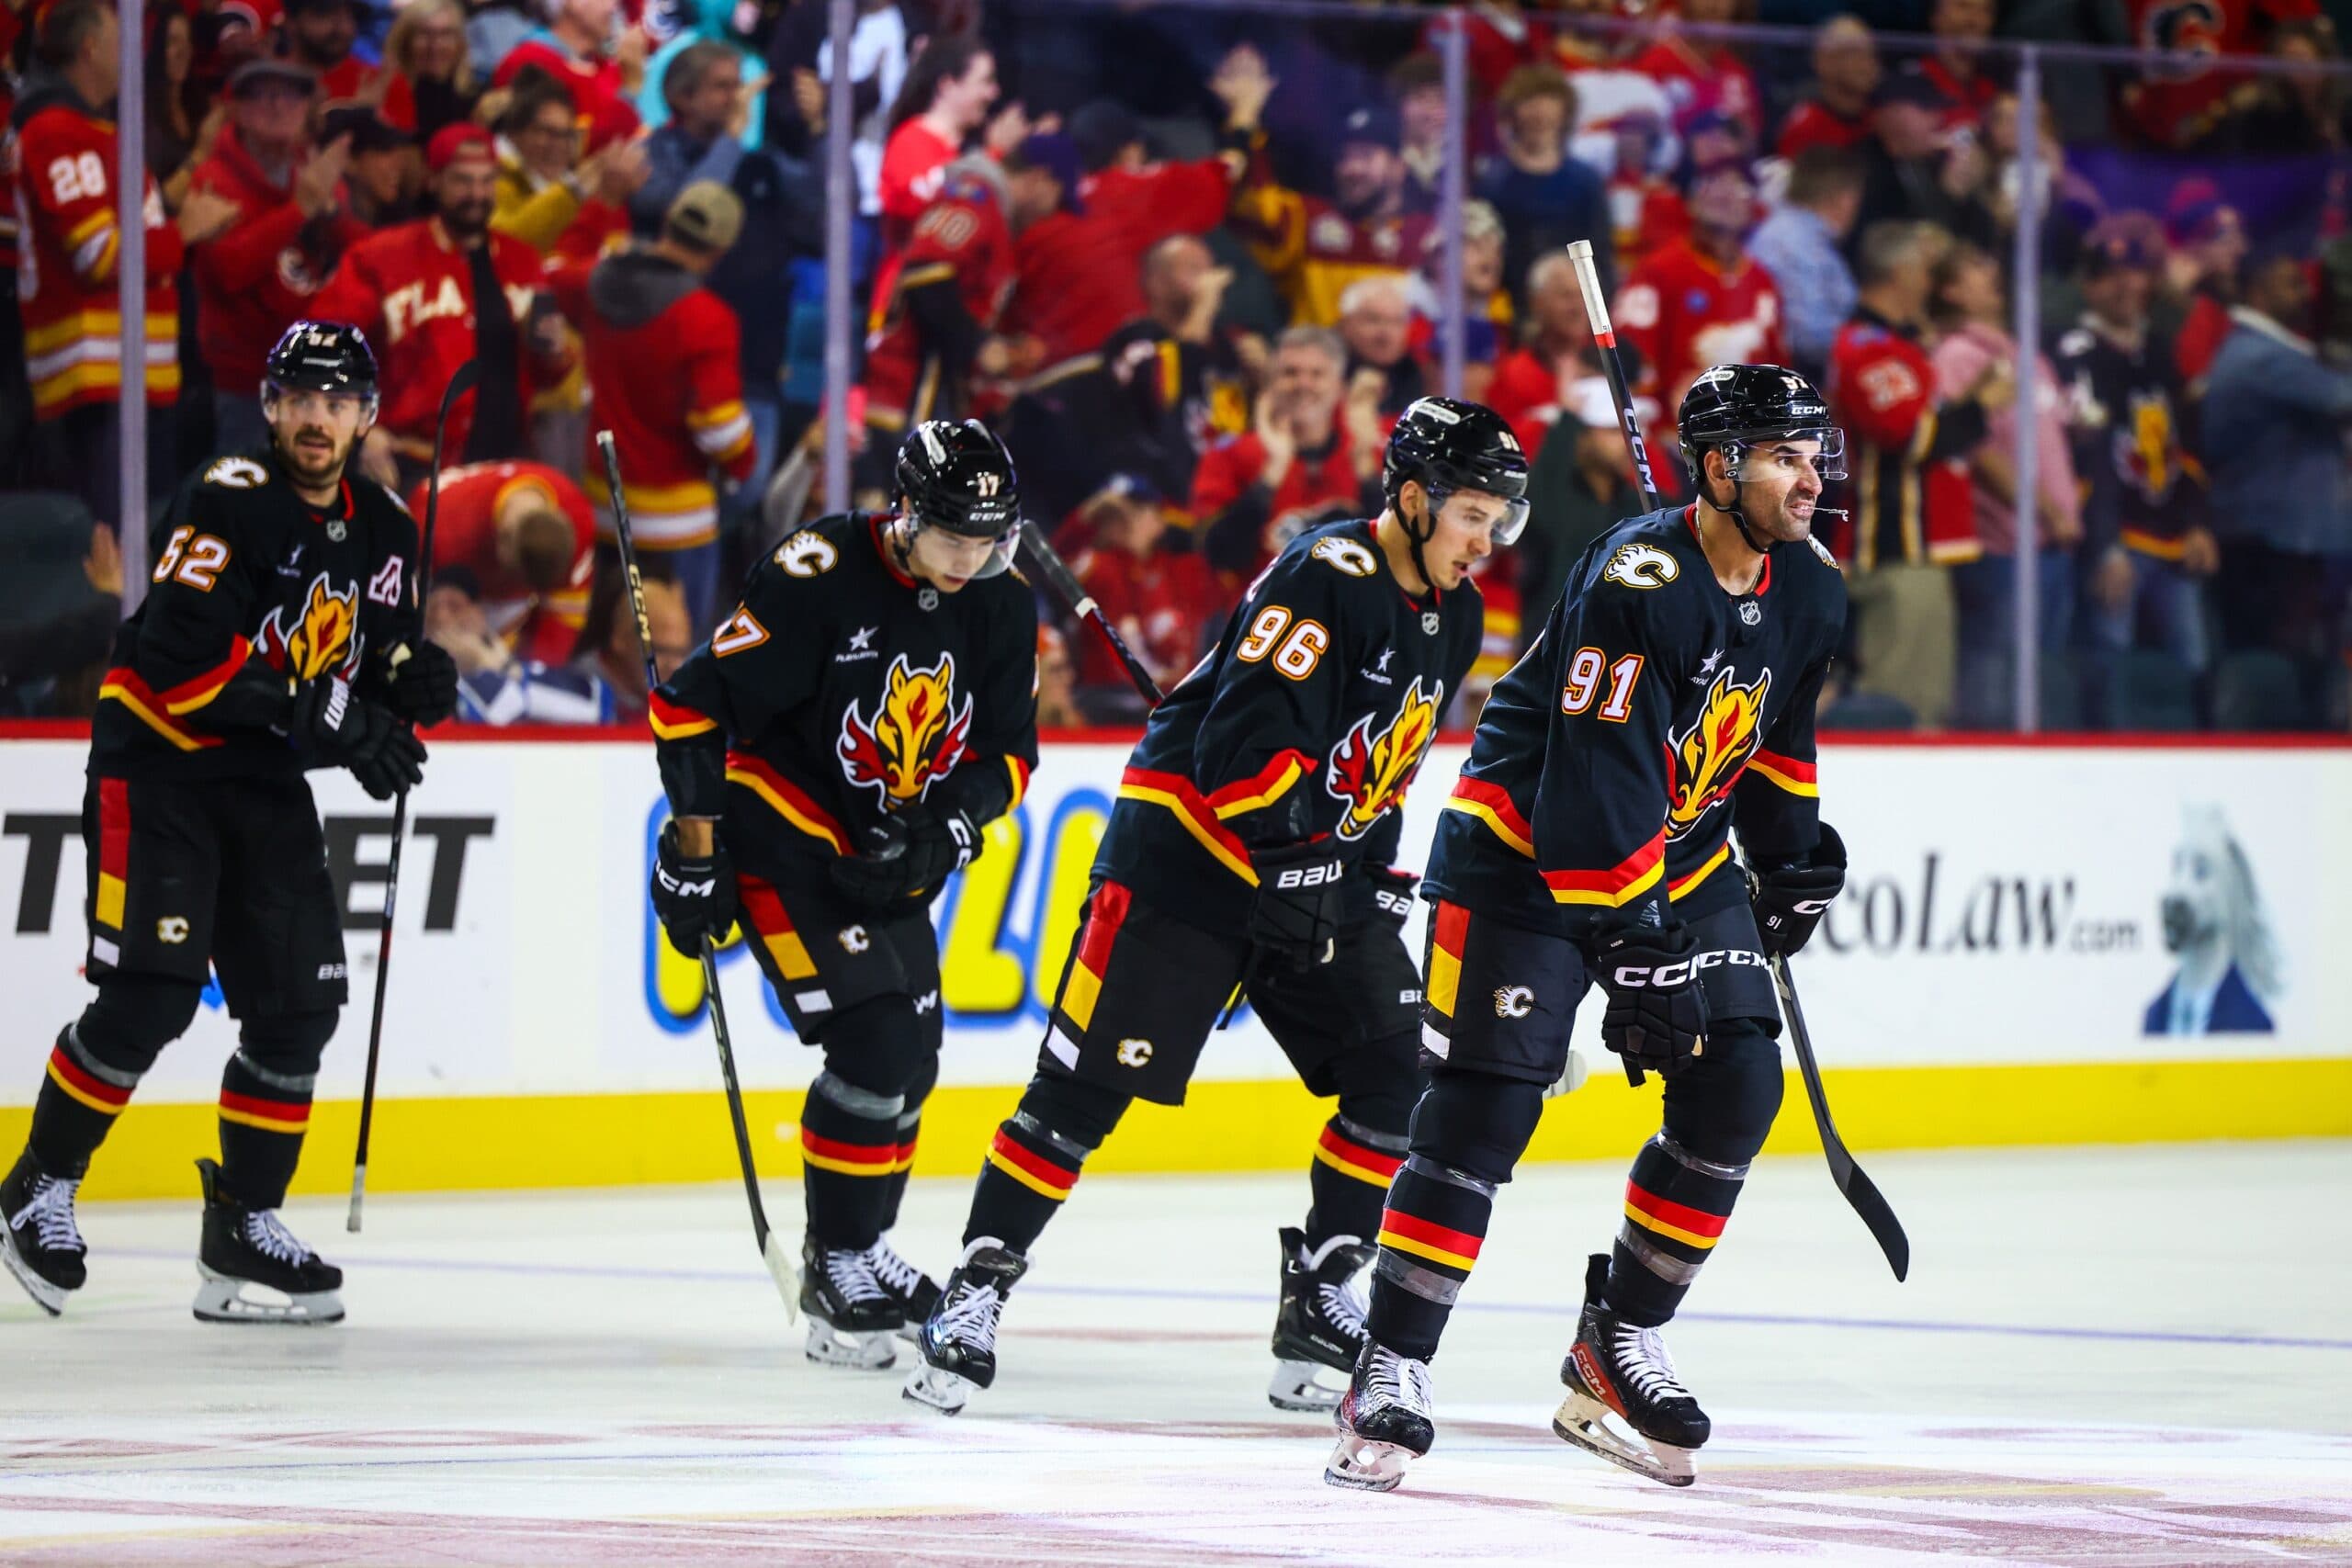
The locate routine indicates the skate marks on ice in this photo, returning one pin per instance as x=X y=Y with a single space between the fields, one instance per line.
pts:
x=1499 y=1488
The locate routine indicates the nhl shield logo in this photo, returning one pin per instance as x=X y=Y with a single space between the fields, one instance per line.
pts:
x=1750 y=613
x=928 y=599
x=1429 y=622
x=337 y=529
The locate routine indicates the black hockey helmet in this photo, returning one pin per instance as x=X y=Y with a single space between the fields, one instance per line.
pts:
x=955 y=475
x=1448 y=446
x=1733 y=407
x=324 y=357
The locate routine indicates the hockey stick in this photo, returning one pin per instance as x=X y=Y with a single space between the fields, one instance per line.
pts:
x=771 y=1250
x=1859 y=1190
x=460 y=382
x=1082 y=603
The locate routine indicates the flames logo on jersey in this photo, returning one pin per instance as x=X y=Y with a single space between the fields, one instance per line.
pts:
x=321 y=637
x=915 y=736
x=1705 y=761
x=1370 y=772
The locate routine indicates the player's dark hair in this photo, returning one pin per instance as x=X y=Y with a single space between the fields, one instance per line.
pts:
x=942 y=59
x=72 y=24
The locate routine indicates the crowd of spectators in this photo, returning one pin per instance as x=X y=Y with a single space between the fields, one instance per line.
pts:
x=1192 y=264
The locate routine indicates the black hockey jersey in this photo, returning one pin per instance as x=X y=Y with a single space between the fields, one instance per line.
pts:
x=2123 y=412
x=1597 y=782
x=1308 y=720
x=839 y=690
x=252 y=591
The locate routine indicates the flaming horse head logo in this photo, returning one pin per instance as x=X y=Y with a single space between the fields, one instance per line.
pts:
x=1370 y=772
x=915 y=736
x=318 y=639
x=1705 y=761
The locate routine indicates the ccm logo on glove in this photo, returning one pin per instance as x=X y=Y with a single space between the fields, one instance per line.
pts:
x=1635 y=976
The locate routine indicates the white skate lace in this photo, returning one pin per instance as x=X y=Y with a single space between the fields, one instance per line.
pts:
x=853 y=1274
x=968 y=1316
x=51 y=1214
x=897 y=1275
x=1399 y=1381
x=267 y=1235
x=1641 y=1355
x=1342 y=1306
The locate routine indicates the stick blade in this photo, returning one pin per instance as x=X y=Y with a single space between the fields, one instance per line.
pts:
x=780 y=1269
x=1878 y=1215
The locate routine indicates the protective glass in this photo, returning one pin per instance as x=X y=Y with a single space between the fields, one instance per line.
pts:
x=273 y=395
x=963 y=555
x=1506 y=528
x=1829 y=462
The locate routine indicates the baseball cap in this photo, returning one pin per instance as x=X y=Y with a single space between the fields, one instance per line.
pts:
x=452 y=142
x=262 y=70
x=705 y=215
x=2126 y=242
x=369 y=130
x=1374 y=123
x=2195 y=209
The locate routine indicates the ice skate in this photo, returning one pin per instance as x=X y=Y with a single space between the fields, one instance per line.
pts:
x=916 y=1292
x=1385 y=1421
x=1319 y=1326
x=958 y=1340
x=38 y=1239
x=253 y=1268
x=853 y=1315
x=1624 y=1401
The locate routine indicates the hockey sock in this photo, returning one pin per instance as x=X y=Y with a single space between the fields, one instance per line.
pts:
x=1468 y=1132
x=894 y=1186
x=76 y=1108
x=264 y=1114
x=1353 y=1165
x=852 y=1166
x=1034 y=1160
x=1676 y=1205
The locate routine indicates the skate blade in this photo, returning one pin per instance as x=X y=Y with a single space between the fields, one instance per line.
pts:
x=939 y=1389
x=1298 y=1385
x=1594 y=1428
x=49 y=1298
x=220 y=1298
x=870 y=1351
x=1363 y=1465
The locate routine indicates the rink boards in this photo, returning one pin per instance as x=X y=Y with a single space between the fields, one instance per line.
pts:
x=2003 y=970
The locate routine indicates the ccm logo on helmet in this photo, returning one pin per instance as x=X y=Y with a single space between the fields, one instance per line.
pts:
x=1634 y=976
x=1309 y=875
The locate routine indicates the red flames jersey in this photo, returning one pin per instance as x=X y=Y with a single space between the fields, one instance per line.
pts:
x=841 y=690
x=259 y=275
x=1597 y=779
x=1683 y=311
x=411 y=290
x=1309 y=721
x=1910 y=491
x=962 y=244
x=465 y=532
x=254 y=588
x=66 y=275
x=1315 y=252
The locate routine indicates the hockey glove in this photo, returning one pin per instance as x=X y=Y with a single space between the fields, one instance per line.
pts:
x=905 y=854
x=422 y=687
x=1296 y=917
x=1790 y=900
x=1657 y=1014
x=1391 y=893
x=338 y=726
x=693 y=897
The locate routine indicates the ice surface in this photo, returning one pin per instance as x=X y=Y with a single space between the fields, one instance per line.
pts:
x=2118 y=1356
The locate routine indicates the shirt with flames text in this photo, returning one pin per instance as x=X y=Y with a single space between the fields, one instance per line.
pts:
x=1655 y=712
x=252 y=591
x=1307 y=721
x=841 y=690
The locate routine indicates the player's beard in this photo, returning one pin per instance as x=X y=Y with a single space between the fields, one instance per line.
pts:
x=315 y=466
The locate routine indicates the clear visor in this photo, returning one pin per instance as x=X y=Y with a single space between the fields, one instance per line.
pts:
x=963 y=555
x=1504 y=530
x=305 y=400
x=1753 y=458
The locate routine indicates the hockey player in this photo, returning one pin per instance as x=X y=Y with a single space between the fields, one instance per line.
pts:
x=1251 y=846
x=1680 y=667
x=280 y=634
x=831 y=755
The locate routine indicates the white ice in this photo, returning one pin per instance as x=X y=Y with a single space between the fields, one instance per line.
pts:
x=2112 y=1356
